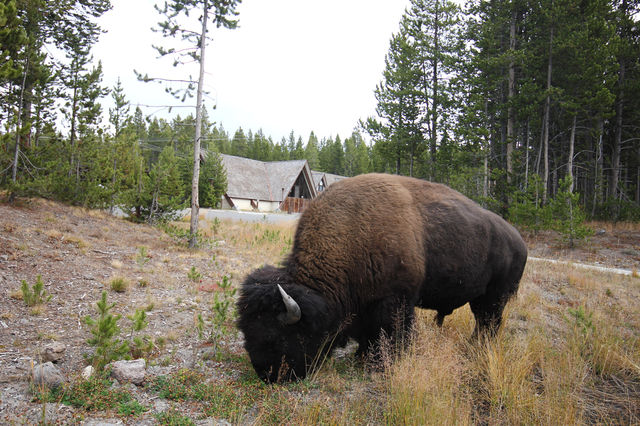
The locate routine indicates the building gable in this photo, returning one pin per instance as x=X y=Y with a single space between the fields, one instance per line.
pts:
x=267 y=181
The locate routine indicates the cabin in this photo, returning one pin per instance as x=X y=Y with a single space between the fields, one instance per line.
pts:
x=320 y=181
x=285 y=186
x=323 y=180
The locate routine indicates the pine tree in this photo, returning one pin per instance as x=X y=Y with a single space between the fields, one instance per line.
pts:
x=298 y=150
x=165 y=194
x=213 y=181
x=222 y=14
x=105 y=331
x=432 y=28
x=239 y=146
x=567 y=216
x=311 y=152
x=64 y=24
x=12 y=40
x=398 y=102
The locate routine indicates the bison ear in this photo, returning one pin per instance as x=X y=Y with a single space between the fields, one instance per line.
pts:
x=293 y=313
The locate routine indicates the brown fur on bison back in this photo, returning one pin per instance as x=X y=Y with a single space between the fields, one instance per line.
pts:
x=438 y=248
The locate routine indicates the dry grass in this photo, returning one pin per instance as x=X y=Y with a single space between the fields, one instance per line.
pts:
x=615 y=226
x=551 y=364
x=569 y=353
x=76 y=241
x=119 y=284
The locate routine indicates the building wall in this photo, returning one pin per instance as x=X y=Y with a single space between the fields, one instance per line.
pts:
x=244 y=204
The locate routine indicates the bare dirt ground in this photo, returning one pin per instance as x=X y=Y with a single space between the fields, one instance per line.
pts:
x=615 y=246
x=78 y=252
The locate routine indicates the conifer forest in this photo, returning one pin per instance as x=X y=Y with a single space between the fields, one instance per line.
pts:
x=526 y=107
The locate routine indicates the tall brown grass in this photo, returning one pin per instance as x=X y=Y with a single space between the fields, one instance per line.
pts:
x=615 y=226
x=568 y=353
x=550 y=364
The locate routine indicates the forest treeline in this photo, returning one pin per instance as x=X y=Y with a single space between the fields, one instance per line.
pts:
x=516 y=104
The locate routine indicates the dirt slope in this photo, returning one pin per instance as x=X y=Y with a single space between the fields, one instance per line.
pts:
x=77 y=253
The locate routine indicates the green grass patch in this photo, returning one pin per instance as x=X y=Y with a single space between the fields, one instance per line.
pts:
x=131 y=408
x=95 y=394
x=224 y=399
x=173 y=417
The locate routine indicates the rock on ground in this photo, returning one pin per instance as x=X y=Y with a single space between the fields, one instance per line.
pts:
x=54 y=352
x=129 y=371
x=47 y=375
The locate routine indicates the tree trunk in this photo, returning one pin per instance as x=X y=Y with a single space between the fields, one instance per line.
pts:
x=411 y=154
x=16 y=153
x=195 y=205
x=434 y=83
x=597 y=188
x=617 y=140
x=72 y=133
x=526 y=158
x=510 y=95
x=487 y=145
x=572 y=140
x=485 y=183
x=547 y=107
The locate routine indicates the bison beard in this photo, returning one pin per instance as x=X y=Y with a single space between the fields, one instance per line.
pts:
x=366 y=252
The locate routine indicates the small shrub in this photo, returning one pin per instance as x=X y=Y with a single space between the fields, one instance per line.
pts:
x=215 y=226
x=223 y=312
x=140 y=345
x=77 y=241
x=194 y=275
x=160 y=342
x=142 y=258
x=119 y=285
x=582 y=319
x=36 y=295
x=108 y=347
x=567 y=216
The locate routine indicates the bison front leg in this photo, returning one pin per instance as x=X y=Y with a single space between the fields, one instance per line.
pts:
x=387 y=321
x=439 y=318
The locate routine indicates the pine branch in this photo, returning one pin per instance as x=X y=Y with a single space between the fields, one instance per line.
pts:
x=145 y=78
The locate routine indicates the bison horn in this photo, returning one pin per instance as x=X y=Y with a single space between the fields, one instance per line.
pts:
x=293 y=310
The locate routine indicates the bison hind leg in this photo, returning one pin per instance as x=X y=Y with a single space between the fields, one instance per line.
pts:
x=487 y=311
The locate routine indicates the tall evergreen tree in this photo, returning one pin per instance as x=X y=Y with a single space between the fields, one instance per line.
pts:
x=222 y=13
x=433 y=28
x=311 y=152
x=398 y=102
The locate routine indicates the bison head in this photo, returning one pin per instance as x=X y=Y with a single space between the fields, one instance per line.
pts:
x=285 y=325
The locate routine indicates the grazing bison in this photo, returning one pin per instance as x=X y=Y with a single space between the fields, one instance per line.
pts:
x=367 y=251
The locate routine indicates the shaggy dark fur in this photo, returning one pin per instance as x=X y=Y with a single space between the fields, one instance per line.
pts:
x=367 y=251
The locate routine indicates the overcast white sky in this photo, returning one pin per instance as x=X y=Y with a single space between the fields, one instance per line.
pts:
x=296 y=65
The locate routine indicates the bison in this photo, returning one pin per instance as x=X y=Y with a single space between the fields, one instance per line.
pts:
x=366 y=252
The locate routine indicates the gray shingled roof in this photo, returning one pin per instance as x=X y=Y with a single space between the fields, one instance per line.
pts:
x=328 y=177
x=259 y=180
x=331 y=178
x=317 y=176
